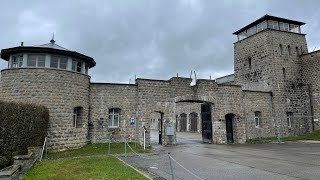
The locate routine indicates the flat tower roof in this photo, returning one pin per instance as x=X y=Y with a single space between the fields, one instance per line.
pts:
x=268 y=17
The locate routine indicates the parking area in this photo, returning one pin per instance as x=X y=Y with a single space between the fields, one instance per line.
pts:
x=292 y=160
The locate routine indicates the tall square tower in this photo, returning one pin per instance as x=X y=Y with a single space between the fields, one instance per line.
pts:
x=267 y=58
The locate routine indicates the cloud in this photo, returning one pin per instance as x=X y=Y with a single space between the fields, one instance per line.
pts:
x=150 y=39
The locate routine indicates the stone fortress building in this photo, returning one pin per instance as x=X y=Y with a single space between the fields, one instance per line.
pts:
x=274 y=91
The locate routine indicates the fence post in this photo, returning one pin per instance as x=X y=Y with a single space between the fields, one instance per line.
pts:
x=125 y=148
x=171 y=166
x=109 y=149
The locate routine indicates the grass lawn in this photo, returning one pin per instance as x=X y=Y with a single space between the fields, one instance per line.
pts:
x=312 y=136
x=77 y=164
x=97 y=149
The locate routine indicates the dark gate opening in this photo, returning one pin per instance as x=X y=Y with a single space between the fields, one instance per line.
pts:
x=183 y=122
x=206 y=123
x=229 y=128
x=194 y=122
x=160 y=128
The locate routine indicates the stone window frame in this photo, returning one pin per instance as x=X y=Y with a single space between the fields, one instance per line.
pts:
x=289 y=119
x=36 y=60
x=297 y=51
x=16 y=61
x=114 y=116
x=77 y=117
x=257 y=119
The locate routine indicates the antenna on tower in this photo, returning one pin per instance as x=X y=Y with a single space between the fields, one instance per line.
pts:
x=195 y=76
x=52 y=40
x=191 y=74
x=315 y=48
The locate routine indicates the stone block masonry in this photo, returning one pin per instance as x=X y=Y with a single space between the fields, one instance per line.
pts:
x=60 y=91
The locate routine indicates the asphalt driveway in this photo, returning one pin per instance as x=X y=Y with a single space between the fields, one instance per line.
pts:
x=208 y=161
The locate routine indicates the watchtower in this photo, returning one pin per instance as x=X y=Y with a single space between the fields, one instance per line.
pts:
x=267 y=57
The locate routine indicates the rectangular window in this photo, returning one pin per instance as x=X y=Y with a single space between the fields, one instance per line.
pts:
x=252 y=31
x=32 y=61
x=20 y=61
x=63 y=63
x=79 y=66
x=74 y=65
x=284 y=26
x=257 y=118
x=273 y=25
x=289 y=118
x=41 y=61
x=294 y=28
x=14 y=62
x=114 y=117
x=54 y=62
x=77 y=117
x=243 y=35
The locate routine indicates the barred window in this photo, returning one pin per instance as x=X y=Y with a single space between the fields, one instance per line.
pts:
x=77 y=117
x=114 y=117
x=257 y=118
x=289 y=118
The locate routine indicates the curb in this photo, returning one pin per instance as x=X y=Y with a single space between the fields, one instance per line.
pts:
x=140 y=172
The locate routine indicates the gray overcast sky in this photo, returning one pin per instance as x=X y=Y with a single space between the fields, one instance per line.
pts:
x=150 y=38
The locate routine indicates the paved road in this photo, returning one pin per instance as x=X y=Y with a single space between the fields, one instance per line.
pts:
x=209 y=161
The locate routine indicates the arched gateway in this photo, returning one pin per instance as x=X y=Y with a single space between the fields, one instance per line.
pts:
x=206 y=114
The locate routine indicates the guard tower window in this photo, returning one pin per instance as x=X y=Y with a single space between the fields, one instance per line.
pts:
x=257 y=118
x=36 y=61
x=17 y=61
x=294 y=28
x=284 y=73
x=58 y=62
x=289 y=50
x=289 y=118
x=77 y=117
x=281 y=49
x=262 y=26
x=114 y=117
x=284 y=26
x=79 y=67
x=273 y=25
x=249 y=62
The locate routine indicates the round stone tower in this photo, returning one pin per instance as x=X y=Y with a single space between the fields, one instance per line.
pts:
x=57 y=78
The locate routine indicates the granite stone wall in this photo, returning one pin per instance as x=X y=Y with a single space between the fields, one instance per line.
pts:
x=103 y=97
x=60 y=91
x=311 y=66
x=276 y=67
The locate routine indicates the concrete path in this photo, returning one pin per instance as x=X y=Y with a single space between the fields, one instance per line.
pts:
x=208 y=161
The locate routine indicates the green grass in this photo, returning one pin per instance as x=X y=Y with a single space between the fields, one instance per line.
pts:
x=103 y=167
x=98 y=149
x=89 y=162
x=312 y=136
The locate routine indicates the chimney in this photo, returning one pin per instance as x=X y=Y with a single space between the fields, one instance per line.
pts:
x=21 y=43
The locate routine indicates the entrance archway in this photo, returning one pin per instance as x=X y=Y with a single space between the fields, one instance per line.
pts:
x=204 y=111
x=229 y=128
